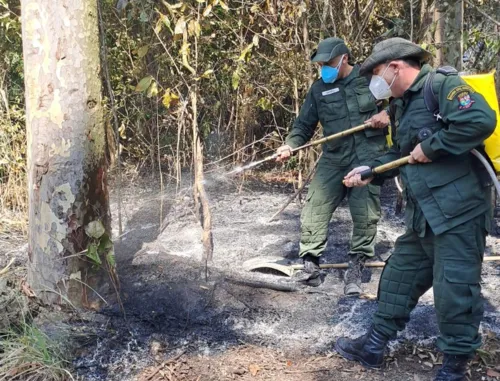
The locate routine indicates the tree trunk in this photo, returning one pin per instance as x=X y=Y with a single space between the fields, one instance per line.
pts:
x=200 y=195
x=426 y=19
x=69 y=223
x=439 y=34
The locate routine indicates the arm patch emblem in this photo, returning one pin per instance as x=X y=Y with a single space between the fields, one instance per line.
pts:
x=464 y=100
x=459 y=89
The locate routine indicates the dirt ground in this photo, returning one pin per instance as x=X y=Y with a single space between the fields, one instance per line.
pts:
x=179 y=326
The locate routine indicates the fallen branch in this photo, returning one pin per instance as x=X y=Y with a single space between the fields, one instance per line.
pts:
x=311 y=371
x=260 y=284
x=294 y=196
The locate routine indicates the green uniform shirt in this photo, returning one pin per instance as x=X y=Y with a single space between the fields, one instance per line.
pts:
x=446 y=192
x=339 y=106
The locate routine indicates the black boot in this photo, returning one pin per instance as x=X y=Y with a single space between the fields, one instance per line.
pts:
x=352 y=276
x=453 y=369
x=368 y=349
x=312 y=274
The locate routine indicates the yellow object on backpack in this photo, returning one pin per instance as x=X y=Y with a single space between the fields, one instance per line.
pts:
x=485 y=85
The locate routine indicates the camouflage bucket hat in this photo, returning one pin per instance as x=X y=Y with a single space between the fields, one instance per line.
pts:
x=393 y=49
x=328 y=49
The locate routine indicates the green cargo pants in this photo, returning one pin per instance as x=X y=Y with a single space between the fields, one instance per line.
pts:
x=325 y=194
x=449 y=262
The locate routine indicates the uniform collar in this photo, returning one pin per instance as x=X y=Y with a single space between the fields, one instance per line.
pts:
x=352 y=75
x=420 y=80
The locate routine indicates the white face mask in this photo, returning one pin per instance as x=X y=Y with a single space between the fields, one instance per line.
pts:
x=379 y=87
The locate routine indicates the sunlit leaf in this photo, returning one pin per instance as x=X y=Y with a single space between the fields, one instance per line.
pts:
x=158 y=26
x=194 y=28
x=207 y=10
x=184 y=52
x=245 y=53
x=255 y=40
x=223 y=5
x=166 y=21
x=152 y=90
x=207 y=73
x=95 y=229
x=235 y=79
x=180 y=26
x=170 y=99
x=265 y=104
x=142 y=51
x=144 y=84
x=121 y=131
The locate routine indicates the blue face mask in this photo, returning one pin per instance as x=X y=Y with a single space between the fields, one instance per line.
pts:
x=329 y=74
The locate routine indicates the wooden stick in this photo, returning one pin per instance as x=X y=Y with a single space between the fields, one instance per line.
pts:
x=391 y=165
x=374 y=264
x=294 y=196
x=311 y=144
x=342 y=134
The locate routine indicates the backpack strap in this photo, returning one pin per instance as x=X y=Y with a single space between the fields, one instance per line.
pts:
x=430 y=99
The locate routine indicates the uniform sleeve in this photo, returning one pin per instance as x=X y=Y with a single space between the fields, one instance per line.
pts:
x=469 y=119
x=305 y=124
x=392 y=154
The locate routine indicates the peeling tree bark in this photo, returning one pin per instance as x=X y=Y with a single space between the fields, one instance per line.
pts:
x=66 y=148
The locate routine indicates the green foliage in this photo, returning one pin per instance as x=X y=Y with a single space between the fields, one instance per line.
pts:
x=26 y=353
x=13 y=193
x=100 y=245
x=247 y=60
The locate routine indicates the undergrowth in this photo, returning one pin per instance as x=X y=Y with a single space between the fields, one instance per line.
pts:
x=28 y=354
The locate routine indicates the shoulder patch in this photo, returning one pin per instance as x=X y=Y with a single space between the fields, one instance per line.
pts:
x=464 y=100
x=458 y=90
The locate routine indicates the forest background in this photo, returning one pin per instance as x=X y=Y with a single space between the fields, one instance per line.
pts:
x=246 y=61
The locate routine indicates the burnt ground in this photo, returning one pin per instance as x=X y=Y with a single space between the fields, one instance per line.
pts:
x=178 y=326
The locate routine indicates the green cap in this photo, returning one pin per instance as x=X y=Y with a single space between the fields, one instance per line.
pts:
x=328 y=49
x=393 y=49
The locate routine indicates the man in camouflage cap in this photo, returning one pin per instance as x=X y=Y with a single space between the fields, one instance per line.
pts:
x=448 y=207
x=339 y=100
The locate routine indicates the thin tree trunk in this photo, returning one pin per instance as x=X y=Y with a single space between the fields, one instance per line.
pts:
x=439 y=35
x=426 y=19
x=200 y=193
x=206 y=216
x=66 y=150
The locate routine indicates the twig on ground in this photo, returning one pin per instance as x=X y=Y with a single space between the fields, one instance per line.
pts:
x=163 y=364
x=6 y=268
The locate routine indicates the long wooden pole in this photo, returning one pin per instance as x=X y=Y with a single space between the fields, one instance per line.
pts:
x=311 y=144
x=374 y=264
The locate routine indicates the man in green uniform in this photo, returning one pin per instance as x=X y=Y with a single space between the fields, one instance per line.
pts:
x=448 y=207
x=339 y=100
